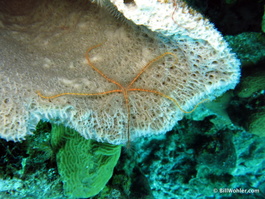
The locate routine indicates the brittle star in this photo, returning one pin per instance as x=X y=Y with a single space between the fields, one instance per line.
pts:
x=124 y=89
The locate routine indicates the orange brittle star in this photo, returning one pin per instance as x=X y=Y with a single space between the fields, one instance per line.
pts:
x=123 y=89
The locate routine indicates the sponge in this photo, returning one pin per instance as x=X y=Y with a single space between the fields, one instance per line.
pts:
x=43 y=50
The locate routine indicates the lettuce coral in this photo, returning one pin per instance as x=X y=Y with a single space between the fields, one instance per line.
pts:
x=84 y=165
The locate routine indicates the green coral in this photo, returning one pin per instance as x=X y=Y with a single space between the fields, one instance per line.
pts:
x=84 y=165
x=251 y=84
x=256 y=123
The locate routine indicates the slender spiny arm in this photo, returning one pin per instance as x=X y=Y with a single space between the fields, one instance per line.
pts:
x=96 y=69
x=149 y=64
x=80 y=94
x=126 y=97
x=168 y=97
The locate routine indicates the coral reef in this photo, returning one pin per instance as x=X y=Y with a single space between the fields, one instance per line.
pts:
x=28 y=169
x=196 y=158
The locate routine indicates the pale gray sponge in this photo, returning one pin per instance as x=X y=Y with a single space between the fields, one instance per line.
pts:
x=43 y=50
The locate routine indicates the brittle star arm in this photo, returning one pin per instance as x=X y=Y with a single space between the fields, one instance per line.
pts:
x=81 y=94
x=125 y=93
x=149 y=64
x=123 y=90
x=168 y=97
x=96 y=69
